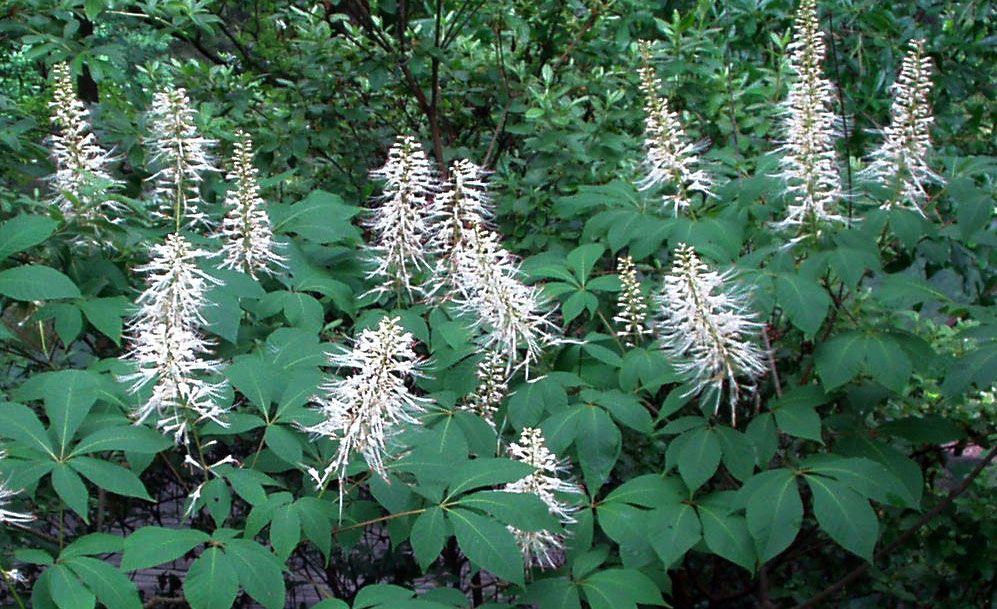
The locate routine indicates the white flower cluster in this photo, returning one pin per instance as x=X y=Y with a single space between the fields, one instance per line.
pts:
x=542 y=548
x=809 y=165
x=900 y=163
x=706 y=325
x=492 y=387
x=672 y=161
x=247 y=236
x=401 y=222
x=167 y=345
x=180 y=154
x=81 y=179
x=363 y=410
x=631 y=305
x=6 y=495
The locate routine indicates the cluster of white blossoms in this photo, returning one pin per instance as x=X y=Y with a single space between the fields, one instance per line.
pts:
x=510 y=313
x=492 y=387
x=900 y=163
x=248 y=243
x=402 y=221
x=167 y=345
x=363 y=410
x=180 y=155
x=706 y=325
x=542 y=548
x=81 y=180
x=672 y=161
x=809 y=165
x=631 y=306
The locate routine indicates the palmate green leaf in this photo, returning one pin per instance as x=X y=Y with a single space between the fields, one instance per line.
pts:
x=582 y=259
x=259 y=572
x=152 y=546
x=561 y=429
x=284 y=443
x=71 y=489
x=20 y=423
x=488 y=544
x=840 y=359
x=804 y=301
x=738 y=452
x=321 y=217
x=523 y=511
x=112 y=588
x=254 y=378
x=211 y=582
x=774 y=511
x=844 y=515
x=94 y=543
x=599 y=442
x=36 y=282
x=131 y=438
x=649 y=490
x=24 y=231
x=800 y=421
x=625 y=408
x=527 y=404
x=69 y=395
x=727 y=535
x=699 y=457
x=487 y=471
x=316 y=522
x=620 y=589
x=67 y=591
x=627 y=526
x=865 y=476
x=111 y=477
x=898 y=464
x=429 y=534
x=106 y=315
x=673 y=530
x=285 y=531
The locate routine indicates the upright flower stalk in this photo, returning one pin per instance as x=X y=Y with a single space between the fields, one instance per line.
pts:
x=401 y=219
x=247 y=237
x=167 y=345
x=367 y=409
x=900 y=163
x=809 y=165
x=671 y=160
x=542 y=548
x=82 y=178
x=706 y=325
x=464 y=204
x=181 y=155
x=492 y=387
x=631 y=305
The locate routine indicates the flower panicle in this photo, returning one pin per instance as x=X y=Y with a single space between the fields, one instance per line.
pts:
x=542 y=548
x=706 y=325
x=671 y=160
x=181 y=155
x=246 y=233
x=364 y=410
x=512 y=315
x=631 y=305
x=402 y=219
x=166 y=344
x=810 y=127
x=492 y=387
x=901 y=162
x=82 y=176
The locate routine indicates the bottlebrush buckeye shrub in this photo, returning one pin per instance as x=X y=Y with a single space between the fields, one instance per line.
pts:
x=685 y=328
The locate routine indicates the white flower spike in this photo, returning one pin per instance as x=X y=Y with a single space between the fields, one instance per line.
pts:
x=82 y=178
x=181 y=155
x=672 y=161
x=166 y=344
x=542 y=548
x=401 y=221
x=247 y=236
x=900 y=163
x=491 y=390
x=631 y=305
x=706 y=325
x=367 y=409
x=809 y=164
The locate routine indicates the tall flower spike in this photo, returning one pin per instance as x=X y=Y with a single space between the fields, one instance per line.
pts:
x=248 y=243
x=809 y=166
x=401 y=220
x=901 y=161
x=465 y=203
x=82 y=179
x=365 y=410
x=671 y=160
x=706 y=325
x=631 y=305
x=166 y=344
x=181 y=155
x=542 y=548
x=488 y=286
x=492 y=387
